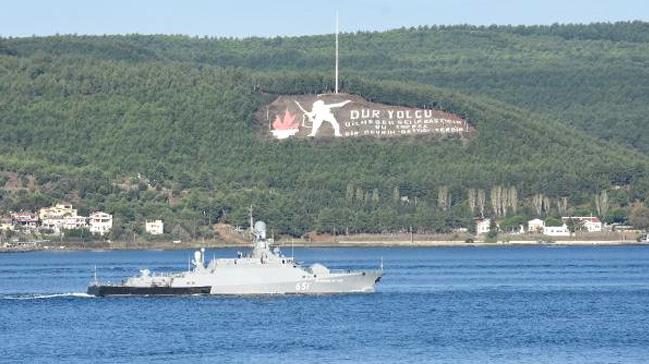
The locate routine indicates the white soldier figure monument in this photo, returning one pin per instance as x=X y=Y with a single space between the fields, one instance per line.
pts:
x=321 y=112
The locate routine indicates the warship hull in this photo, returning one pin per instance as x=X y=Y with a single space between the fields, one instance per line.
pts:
x=103 y=291
x=338 y=284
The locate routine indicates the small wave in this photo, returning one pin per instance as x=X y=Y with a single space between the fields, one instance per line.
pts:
x=34 y=296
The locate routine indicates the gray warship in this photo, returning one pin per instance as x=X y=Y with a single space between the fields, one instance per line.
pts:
x=264 y=271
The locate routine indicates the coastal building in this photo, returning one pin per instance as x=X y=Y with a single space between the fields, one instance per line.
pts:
x=535 y=226
x=75 y=222
x=556 y=230
x=482 y=226
x=589 y=223
x=155 y=227
x=619 y=227
x=60 y=217
x=57 y=211
x=25 y=220
x=55 y=225
x=5 y=224
x=100 y=223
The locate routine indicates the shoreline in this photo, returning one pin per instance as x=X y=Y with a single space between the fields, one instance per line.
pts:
x=320 y=244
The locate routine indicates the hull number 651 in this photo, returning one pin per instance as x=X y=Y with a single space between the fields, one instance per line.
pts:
x=302 y=286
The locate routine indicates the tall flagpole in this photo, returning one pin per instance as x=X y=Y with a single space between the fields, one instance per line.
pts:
x=336 y=52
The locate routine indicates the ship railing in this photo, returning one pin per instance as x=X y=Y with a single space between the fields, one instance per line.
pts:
x=166 y=275
x=349 y=271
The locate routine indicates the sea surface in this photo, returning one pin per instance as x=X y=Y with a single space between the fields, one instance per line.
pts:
x=434 y=305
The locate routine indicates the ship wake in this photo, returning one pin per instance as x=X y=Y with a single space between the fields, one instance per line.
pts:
x=44 y=296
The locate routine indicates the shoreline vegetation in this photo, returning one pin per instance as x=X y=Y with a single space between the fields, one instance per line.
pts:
x=361 y=240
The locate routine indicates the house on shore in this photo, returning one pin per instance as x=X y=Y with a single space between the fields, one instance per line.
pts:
x=556 y=230
x=75 y=222
x=155 y=227
x=25 y=220
x=589 y=223
x=58 y=211
x=482 y=226
x=535 y=226
x=60 y=217
x=100 y=223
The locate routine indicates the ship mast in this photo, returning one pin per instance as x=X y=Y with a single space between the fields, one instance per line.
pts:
x=252 y=229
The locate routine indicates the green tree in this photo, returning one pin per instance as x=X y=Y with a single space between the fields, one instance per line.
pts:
x=639 y=218
x=553 y=222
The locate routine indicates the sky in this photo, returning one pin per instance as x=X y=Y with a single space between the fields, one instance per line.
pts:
x=244 y=18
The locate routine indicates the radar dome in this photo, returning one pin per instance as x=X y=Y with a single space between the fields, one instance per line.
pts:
x=260 y=229
x=260 y=226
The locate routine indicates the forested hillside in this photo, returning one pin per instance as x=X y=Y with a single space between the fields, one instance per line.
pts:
x=593 y=77
x=82 y=117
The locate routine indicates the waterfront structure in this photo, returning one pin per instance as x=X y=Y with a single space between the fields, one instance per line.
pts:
x=75 y=222
x=61 y=216
x=58 y=211
x=589 y=223
x=25 y=220
x=482 y=226
x=264 y=271
x=100 y=223
x=535 y=226
x=53 y=224
x=155 y=227
x=556 y=230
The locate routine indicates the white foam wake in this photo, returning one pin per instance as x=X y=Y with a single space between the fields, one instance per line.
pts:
x=34 y=296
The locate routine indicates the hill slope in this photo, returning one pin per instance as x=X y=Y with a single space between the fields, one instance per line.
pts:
x=85 y=124
x=593 y=77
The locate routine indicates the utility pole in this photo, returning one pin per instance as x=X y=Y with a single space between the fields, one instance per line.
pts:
x=336 y=89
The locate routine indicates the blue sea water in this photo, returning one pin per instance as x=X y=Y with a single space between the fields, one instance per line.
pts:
x=436 y=305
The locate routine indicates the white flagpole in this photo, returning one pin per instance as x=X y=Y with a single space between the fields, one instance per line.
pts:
x=336 y=52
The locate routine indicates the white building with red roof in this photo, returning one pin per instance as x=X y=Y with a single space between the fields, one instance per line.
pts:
x=592 y=224
x=25 y=220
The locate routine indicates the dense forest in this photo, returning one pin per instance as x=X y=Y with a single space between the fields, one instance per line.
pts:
x=164 y=127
